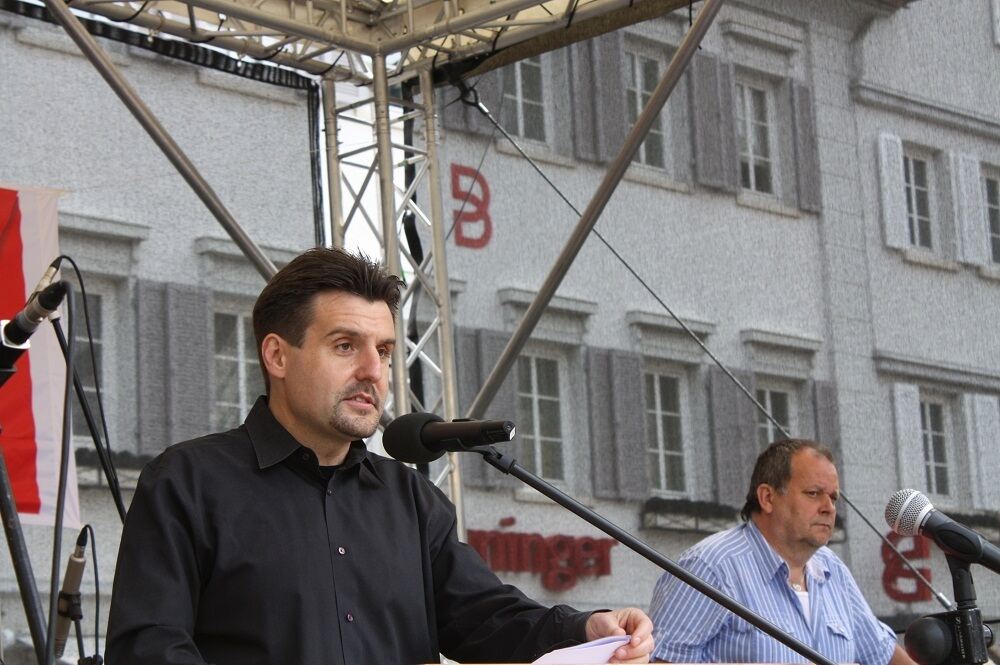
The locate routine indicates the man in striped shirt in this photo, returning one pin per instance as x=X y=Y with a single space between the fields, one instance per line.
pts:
x=777 y=564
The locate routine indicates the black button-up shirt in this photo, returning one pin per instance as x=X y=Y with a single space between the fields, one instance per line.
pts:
x=238 y=549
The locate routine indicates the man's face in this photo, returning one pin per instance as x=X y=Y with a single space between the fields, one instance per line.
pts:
x=336 y=381
x=803 y=515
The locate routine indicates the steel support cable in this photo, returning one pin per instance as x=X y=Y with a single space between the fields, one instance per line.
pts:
x=694 y=336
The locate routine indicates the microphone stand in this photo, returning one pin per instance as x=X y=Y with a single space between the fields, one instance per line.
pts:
x=508 y=465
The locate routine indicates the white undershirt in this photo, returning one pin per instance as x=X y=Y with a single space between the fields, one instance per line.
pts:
x=804 y=599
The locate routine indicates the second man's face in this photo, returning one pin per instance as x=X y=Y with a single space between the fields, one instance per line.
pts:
x=337 y=380
x=807 y=508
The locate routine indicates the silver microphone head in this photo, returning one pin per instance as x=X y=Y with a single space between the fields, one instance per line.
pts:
x=906 y=511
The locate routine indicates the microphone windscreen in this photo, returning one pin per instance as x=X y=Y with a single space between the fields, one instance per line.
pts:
x=905 y=510
x=401 y=439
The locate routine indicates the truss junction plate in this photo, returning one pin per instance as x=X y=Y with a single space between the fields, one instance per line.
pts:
x=341 y=37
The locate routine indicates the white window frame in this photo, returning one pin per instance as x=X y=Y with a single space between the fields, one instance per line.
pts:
x=562 y=368
x=744 y=129
x=245 y=401
x=911 y=153
x=516 y=97
x=635 y=52
x=659 y=371
x=108 y=365
x=928 y=400
x=766 y=432
x=991 y=181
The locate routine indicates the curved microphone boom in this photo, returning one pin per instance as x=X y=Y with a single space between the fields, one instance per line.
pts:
x=909 y=513
x=421 y=438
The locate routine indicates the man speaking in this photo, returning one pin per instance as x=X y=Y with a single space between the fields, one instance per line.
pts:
x=286 y=541
x=776 y=564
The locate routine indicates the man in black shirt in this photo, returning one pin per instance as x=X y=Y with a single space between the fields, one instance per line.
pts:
x=286 y=541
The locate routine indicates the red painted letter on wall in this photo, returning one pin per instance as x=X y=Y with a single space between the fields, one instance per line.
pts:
x=896 y=571
x=473 y=226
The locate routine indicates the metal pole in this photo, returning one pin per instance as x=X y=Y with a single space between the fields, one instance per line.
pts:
x=149 y=122
x=390 y=239
x=446 y=332
x=590 y=216
x=22 y=563
x=336 y=203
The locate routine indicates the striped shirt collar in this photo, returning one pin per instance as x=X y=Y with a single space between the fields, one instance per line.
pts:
x=772 y=565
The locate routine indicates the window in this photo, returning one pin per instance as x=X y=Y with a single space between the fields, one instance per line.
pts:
x=643 y=77
x=238 y=380
x=993 y=216
x=918 y=205
x=754 y=117
x=82 y=362
x=665 y=433
x=933 y=431
x=540 y=413
x=779 y=404
x=523 y=102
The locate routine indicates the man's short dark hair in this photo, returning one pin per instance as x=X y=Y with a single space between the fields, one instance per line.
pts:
x=285 y=306
x=774 y=468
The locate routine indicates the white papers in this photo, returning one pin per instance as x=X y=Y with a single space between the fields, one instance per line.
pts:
x=591 y=653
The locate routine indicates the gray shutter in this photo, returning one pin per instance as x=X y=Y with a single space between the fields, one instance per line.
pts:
x=586 y=100
x=968 y=208
x=474 y=470
x=734 y=436
x=629 y=422
x=602 y=429
x=827 y=415
x=982 y=426
x=716 y=153
x=892 y=191
x=490 y=344
x=609 y=94
x=909 y=445
x=189 y=320
x=559 y=102
x=806 y=149
x=151 y=367
x=457 y=116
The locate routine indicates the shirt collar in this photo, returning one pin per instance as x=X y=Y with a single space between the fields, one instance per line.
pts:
x=771 y=563
x=273 y=444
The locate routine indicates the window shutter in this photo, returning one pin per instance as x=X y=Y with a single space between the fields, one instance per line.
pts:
x=602 y=429
x=559 y=102
x=609 y=94
x=716 y=154
x=909 y=445
x=893 y=192
x=152 y=367
x=189 y=321
x=982 y=426
x=474 y=471
x=969 y=208
x=582 y=83
x=734 y=440
x=490 y=345
x=457 y=116
x=827 y=415
x=629 y=423
x=806 y=149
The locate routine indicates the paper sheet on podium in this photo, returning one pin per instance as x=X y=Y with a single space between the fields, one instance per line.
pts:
x=598 y=651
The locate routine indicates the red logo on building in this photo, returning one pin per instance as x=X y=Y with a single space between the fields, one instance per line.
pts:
x=898 y=581
x=473 y=226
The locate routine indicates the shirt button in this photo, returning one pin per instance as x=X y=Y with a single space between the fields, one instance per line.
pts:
x=341 y=550
x=349 y=617
x=329 y=492
x=305 y=457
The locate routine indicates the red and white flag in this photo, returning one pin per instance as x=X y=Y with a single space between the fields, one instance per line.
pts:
x=31 y=402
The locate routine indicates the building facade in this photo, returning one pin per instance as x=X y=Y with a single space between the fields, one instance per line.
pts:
x=818 y=203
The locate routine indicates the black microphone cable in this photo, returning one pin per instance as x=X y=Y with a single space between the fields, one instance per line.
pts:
x=746 y=392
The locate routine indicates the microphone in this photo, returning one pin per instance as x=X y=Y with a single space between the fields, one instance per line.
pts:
x=909 y=513
x=14 y=334
x=420 y=438
x=69 y=596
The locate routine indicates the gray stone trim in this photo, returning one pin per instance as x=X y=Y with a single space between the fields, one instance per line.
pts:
x=780 y=354
x=224 y=268
x=935 y=371
x=248 y=88
x=564 y=319
x=101 y=246
x=872 y=94
x=660 y=336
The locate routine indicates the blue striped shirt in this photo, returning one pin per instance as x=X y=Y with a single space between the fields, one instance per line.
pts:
x=691 y=628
